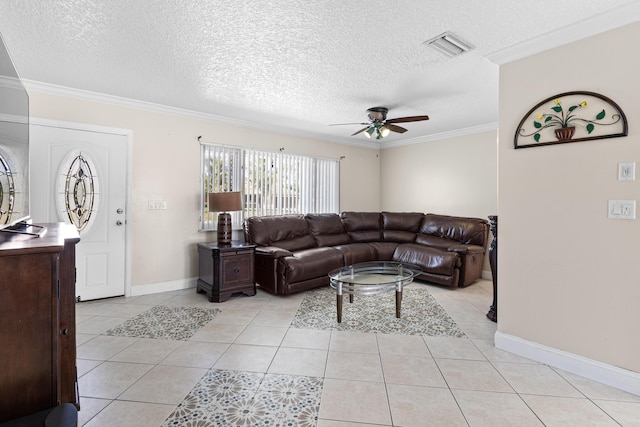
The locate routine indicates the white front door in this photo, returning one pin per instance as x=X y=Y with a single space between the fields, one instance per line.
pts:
x=79 y=176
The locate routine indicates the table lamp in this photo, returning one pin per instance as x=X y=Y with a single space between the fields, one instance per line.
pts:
x=224 y=203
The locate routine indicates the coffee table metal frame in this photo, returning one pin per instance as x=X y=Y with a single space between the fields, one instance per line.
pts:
x=371 y=278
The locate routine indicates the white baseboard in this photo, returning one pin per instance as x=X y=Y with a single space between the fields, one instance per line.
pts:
x=171 y=285
x=613 y=376
x=486 y=275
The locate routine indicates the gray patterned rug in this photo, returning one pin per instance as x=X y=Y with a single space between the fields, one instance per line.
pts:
x=170 y=323
x=233 y=398
x=421 y=314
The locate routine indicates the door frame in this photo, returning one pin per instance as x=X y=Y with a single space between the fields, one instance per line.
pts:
x=128 y=134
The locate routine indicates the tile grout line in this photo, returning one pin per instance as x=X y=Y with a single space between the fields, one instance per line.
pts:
x=265 y=307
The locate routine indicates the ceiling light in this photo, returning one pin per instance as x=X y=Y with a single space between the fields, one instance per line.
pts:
x=369 y=131
x=449 y=44
x=384 y=131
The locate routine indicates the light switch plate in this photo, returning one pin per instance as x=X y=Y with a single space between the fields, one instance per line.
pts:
x=157 y=204
x=622 y=209
x=627 y=171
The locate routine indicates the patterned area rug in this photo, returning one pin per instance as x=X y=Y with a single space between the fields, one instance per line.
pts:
x=421 y=314
x=162 y=322
x=233 y=398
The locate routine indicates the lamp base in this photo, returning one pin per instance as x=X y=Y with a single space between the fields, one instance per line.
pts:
x=224 y=228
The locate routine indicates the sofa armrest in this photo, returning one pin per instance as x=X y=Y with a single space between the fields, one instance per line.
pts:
x=472 y=257
x=266 y=266
x=466 y=249
x=272 y=251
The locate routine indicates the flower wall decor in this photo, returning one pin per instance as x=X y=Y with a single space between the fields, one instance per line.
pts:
x=570 y=117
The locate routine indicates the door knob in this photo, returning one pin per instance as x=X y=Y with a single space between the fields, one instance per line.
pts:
x=118 y=222
x=119 y=210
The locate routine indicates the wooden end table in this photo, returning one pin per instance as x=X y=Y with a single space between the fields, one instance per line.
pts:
x=225 y=270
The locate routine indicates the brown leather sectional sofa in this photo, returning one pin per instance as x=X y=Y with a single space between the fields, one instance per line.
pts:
x=296 y=252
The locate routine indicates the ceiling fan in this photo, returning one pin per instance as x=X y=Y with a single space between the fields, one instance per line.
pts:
x=379 y=125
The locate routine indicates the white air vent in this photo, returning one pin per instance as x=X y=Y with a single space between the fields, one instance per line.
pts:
x=449 y=44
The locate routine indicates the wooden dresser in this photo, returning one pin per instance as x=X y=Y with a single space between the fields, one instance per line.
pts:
x=37 y=314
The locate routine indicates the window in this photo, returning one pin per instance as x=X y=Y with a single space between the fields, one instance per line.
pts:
x=271 y=183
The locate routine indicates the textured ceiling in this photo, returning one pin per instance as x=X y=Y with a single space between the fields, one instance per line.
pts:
x=295 y=65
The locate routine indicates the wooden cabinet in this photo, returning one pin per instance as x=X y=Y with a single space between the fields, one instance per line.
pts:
x=37 y=313
x=224 y=270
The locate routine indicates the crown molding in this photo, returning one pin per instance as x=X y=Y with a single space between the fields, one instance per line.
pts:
x=443 y=135
x=163 y=109
x=606 y=21
x=85 y=95
x=52 y=123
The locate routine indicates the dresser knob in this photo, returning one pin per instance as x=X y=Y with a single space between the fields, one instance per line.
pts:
x=65 y=331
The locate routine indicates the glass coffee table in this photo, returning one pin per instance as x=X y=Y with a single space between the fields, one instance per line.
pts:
x=371 y=278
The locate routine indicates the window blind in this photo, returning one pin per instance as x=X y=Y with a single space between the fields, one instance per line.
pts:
x=271 y=183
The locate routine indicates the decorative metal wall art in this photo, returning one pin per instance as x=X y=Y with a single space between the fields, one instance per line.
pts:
x=78 y=194
x=571 y=117
x=7 y=191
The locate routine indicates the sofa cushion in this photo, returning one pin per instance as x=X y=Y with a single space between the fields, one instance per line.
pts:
x=384 y=250
x=405 y=221
x=354 y=253
x=365 y=236
x=289 y=232
x=429 y=259
x=400 y=227
x=398 y=236
x=310 y=264
x=472 y=231
x=362 y=226
x=327 y=229
x=297 y=243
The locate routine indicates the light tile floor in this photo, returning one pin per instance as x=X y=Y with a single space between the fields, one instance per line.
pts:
x=369 y=379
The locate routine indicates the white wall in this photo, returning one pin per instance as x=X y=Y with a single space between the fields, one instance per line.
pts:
x=166 y=166
x=568 y=276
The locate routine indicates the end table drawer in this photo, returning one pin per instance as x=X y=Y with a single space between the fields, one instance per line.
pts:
x=237 y=269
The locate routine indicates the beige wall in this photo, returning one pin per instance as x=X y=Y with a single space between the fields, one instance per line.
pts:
x=452 y=176
x=165 y=166
x=568 y=276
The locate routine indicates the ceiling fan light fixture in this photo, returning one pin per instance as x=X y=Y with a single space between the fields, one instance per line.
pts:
x=369 y=131
x=449 y=44
x=380 y=125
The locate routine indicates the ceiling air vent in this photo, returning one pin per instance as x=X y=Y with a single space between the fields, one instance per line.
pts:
x=449 y=44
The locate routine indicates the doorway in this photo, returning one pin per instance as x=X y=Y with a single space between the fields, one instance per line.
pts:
x=79 y=176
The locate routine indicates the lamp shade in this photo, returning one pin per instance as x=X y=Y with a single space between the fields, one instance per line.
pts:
x=225 y=202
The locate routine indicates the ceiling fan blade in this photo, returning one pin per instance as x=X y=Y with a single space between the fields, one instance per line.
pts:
x=408 y=119
x=395 y=128
x=344 y=124
x=361 y=130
